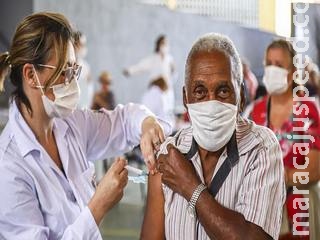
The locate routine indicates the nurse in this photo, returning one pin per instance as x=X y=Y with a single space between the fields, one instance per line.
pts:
x=47 y=183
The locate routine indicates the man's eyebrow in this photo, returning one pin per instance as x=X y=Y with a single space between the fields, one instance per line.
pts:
x=223 y=83
x=198 y=82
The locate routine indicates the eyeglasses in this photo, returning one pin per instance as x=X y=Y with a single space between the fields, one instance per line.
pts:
x=69 y=73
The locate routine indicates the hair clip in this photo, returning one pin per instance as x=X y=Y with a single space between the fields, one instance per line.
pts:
x=7 y=58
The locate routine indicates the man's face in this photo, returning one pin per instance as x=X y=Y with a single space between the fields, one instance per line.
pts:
x=210 y=78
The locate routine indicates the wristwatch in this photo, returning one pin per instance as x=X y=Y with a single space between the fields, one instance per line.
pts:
x=195 y=196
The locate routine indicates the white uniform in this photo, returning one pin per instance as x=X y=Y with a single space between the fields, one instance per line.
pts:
x=37 y=200
x=157 y=66
x=155 y=100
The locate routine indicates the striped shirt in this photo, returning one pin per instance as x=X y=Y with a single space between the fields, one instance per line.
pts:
x=255 y=186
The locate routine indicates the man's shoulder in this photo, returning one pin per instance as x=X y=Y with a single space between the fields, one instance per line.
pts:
x=181 y=140
x=251 y=135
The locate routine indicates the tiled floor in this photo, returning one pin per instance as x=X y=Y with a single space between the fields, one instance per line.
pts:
x=122 y=223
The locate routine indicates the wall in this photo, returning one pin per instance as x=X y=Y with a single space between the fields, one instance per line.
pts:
x=314 y=28
x=120 y=32
x=11 y=13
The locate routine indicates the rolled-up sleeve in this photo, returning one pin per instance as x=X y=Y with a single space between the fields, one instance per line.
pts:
x=21 y=217
x=262 y=194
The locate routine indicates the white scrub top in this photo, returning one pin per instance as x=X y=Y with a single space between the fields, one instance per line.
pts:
x=158 y=66
x=37 y=201
x=155 y=100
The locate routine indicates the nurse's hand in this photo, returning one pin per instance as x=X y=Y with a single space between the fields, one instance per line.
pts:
x=110 y=190
x=151 y=139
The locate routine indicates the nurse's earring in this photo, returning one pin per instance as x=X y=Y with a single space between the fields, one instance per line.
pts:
x=32 y=83
x=31 y=80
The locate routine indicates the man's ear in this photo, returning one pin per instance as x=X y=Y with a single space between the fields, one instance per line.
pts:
x=28 y=75
x=242 y=98
x=184 y=94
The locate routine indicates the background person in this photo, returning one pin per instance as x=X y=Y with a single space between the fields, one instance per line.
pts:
x=105 y=97
x=85 y=80
x=159 y=64
x=277 y=111
x=154 y=99
x=250 y=82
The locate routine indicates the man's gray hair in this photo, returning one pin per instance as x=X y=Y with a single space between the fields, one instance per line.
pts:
x=217 y=42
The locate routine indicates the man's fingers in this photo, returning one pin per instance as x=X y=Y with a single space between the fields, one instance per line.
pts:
x=160 y=167
x=170 y=148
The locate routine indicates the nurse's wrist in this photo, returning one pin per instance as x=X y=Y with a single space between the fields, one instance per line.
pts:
x=98 y=208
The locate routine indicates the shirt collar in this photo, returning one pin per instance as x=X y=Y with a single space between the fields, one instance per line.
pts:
x=24 y=137
x=245 y=140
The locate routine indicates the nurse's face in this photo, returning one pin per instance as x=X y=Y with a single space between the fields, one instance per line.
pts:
x=46 y=72
x=209 y=78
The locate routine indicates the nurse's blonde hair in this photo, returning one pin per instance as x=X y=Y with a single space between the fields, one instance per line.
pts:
x=34 y=39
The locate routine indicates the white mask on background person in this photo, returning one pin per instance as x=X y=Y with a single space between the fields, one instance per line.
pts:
x=66 y=99
x=275 y=79
x=213 y=123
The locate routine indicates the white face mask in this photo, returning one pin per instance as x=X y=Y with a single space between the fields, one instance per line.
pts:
x=213 y=123
x=66 y=99
x=275 y=79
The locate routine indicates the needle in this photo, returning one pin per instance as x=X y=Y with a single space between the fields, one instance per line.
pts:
x=136 y=170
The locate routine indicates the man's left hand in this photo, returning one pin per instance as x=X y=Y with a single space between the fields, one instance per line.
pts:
x=178 y=173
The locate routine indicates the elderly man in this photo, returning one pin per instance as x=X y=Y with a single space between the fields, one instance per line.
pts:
x=222 y=178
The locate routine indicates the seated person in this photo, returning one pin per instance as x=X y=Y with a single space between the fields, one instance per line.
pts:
x=104 y=98
x=222 y=178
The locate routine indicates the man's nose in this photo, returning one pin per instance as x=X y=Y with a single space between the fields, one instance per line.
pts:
x=211 y=96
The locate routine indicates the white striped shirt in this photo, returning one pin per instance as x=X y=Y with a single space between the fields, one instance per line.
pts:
x=255 y=186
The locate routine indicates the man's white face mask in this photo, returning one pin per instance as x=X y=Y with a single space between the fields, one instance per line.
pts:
x=213 y=123
x=66 y=99
x=275 y=79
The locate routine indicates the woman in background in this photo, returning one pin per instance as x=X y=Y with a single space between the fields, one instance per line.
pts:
x=277 y=111
x=154 y=99
x=159 y=64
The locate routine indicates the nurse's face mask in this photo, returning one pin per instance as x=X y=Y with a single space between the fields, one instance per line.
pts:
x=66 y=94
